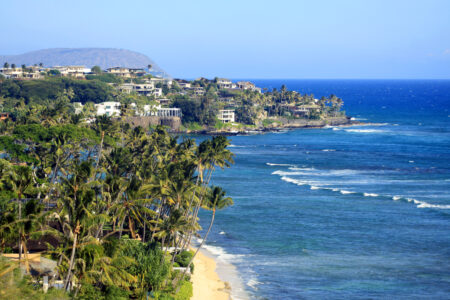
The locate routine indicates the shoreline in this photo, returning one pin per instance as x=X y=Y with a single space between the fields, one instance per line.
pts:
x=206 y=281
x=284 y=128
x=215 y=278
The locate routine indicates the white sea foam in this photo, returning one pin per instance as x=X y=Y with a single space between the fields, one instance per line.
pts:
x=335 y=128
x=301 y=169
x=370 y=195
x=222 y=232
x=365 y=130
x=281 y=165
x=344 y=192
x=424 y=204
x=294 y=181
x=395 y=198
x=236 y=146
x=328 y=150
x=285 y=173
x=222 y=255
x=359 y=119
x=253 y=283
x=315 y=187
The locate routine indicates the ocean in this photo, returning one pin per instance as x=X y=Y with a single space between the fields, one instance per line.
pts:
x=358 y=212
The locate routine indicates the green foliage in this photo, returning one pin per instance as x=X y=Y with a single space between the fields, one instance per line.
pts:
x=106 y=77
x=38 y=91
x=96 y=70
x=150 y=268
x=184 y=258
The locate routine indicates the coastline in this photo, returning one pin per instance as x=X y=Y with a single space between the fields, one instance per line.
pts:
x=206 y=282
x=263 y=130
x=214 y=278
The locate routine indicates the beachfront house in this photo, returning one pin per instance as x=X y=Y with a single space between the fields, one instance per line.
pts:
x=109 y=108
x=226 y=115
x=304 y=110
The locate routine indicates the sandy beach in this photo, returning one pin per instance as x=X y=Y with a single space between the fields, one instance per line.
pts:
x=206 y=282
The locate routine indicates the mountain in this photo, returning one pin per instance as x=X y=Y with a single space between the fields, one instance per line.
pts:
x=89 y=57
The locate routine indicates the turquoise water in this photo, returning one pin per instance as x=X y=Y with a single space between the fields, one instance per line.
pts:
x=344 y=213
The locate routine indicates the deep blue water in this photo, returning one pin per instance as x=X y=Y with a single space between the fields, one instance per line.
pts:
x=344 y=213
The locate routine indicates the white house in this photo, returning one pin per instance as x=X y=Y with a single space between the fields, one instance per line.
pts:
x=108 y=108
x=169 y=112
x=226 y=115
x=224 y=83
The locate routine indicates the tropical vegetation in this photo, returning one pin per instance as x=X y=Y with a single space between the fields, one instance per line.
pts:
x=115 y=208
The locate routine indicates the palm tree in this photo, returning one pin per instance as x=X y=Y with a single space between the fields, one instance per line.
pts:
x=78 y=196
x=20 y=178
x=6 y=65
x=215 y=200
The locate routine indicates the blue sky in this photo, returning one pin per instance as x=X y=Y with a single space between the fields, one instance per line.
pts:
x=247 y=39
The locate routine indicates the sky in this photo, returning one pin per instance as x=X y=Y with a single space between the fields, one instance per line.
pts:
x=354 y=39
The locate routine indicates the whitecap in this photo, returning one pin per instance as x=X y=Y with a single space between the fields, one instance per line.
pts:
x=315 y=187
x=290 y=180
x=365 y=130
x=222 y=232
x=423 y=204
x=335 y=128
x=370 y=195
x=281 y=165
x=284 y=173
x=328 y=150
x=301 y=169
x=344 y=192
x=395 y=198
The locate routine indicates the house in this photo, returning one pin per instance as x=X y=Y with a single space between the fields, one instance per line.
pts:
x=137 y=72
x=184 y=85
x=247 y=85
x=304 y=110
x=72 y=71
x=20 y=73
x=226 y=115
x=224 y=83
x=169 y=112
x=120 y=71
x=108 y=108
x=145 y=89
x=199 y=91
x=164 y=101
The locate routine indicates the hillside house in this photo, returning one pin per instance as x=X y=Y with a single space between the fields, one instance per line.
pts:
x=226 y=115
x=224 y=83
x=110 y=108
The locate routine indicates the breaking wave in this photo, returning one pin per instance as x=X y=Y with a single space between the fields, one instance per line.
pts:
x=314 y=186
